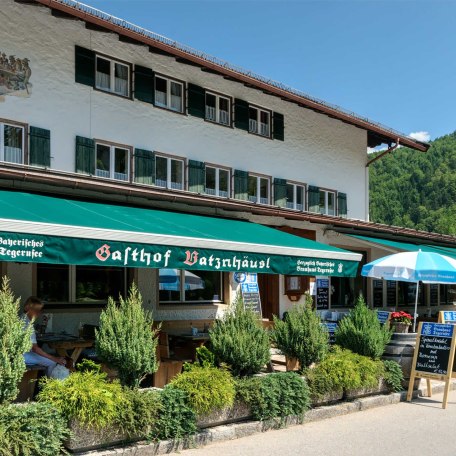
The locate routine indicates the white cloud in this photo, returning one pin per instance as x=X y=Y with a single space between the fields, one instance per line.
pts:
x=420 y=136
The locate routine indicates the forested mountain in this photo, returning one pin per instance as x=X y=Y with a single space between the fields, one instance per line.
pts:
x=415 y=189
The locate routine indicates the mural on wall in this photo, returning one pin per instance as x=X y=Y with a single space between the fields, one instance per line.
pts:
x=15 y=76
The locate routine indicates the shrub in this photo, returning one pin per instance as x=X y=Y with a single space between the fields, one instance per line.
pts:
x=343 y=370
x=85 y=396
x=393 y=375
x=300 y=335
x=31 y=429
x=14 y=342
x=176 y=418
x=208 y=388
x=239 y=340
x=276 y=395
x=361 y=332
x=125 y=340
x=204 y=357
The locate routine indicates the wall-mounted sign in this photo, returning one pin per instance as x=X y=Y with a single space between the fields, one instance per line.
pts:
x=239 y=277
x=15 y=76
x=391 y=293
x=251 y=293
x=434 y=356
x=434 y=294
x=331 y=327
x=377 y=286
x=322 y=296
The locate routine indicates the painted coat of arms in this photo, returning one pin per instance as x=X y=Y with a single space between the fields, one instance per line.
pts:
x=15 y=76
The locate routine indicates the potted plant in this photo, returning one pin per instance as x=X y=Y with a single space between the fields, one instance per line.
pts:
x=401 y=321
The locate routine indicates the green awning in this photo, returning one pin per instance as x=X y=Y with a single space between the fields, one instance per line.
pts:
x=43 y=229
x=406 y=246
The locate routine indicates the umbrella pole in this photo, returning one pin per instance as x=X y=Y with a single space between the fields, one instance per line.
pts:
x=416 y=306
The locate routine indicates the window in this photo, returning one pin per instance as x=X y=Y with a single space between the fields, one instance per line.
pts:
x=295 y=197
x=217 y=109
x=112 y=76
x=259 y=121
x=259 y=189
x=407 y=294
x=168 y=94
x=189 y=286
x=327 y=202
x=448 y=295
x=60 y=284
x=217 y=182
x=11 y=143
x=112 y=162
x=169 y=173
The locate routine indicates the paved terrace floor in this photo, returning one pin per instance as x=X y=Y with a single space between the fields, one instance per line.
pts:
x=420 y=428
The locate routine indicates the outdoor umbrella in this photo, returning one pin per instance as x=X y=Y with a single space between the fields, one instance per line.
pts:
x=427 y=267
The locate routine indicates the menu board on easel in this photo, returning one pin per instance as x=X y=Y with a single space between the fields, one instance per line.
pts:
x=377 y=290
x=434 y=356
x=251 y=293
x=390 y=293
x=447 y=316
x=322 y=294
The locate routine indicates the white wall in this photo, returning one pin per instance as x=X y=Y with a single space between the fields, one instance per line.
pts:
x=317 y=150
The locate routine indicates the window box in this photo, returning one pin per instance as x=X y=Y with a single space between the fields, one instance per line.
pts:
x=12 y=141
x=112 y=76
x=217 y=182
x=169 y=94
x=259 y=189
x=169 y=172
x=112 y=162
x=259 y=121
x=218 y=109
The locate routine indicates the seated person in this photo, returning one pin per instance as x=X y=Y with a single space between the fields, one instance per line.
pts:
x=32 y=310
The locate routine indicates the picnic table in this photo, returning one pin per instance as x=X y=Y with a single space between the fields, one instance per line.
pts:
x=66 y=344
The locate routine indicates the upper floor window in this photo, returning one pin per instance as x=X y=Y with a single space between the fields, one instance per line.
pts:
x=295 y=197
x=259 y=121
x=169 y=173
x=169 y=94
x=217 y=181
x=11 y=143
x=327 y=202
x=259 y=189
x=217 y=108
x=112 y=162
x=112 y=76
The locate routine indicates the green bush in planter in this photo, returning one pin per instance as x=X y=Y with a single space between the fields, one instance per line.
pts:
x=125 y=340
x=300 y=335
x=207 y=388
x=393 y=375
x=31 y=429
x=239 y=340
x=14 y=342
x=274 y=395
x=361 y=332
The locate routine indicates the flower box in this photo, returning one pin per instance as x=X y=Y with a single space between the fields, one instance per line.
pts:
x=240 y=411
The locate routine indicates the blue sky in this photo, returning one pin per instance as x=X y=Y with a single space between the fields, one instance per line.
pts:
x=392 y=61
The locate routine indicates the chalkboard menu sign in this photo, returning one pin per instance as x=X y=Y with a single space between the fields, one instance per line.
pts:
x=447 y=316
x=391 y=293
x=378 y=293
x=434 y=294
x=322 y=296
x=383 y=316
x=251 y=296
x=434 y=355
x=331 y=327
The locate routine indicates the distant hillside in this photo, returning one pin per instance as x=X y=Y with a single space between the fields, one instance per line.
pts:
x=415 y=189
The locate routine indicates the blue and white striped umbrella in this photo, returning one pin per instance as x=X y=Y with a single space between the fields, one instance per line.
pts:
x=427 y=267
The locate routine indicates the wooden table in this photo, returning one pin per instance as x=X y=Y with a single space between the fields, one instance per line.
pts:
x=66 y=345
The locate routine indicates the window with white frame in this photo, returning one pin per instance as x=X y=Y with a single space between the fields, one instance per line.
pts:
x=11 y=143
x=217 y=181
x=169 y=173
x=327 y=202
x=259 y=189
x=259 y=121
x=169 y=94
x=295 y=197
x=112 y=76
x=112 y=162
x=217 y=108
x=190 y=287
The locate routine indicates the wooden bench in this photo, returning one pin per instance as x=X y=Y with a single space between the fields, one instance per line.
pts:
x=27 y=386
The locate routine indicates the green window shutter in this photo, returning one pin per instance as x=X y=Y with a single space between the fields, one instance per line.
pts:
x=280 y=192
x=278 y=126
x=144 y=167
x=241 y=184
x=85 y=155
x=144 y=84
x=40 y=147
x=314 y=199
x=196 y=101
x=85 y=66
x=241 y=113
x=196 y=176
x=342 y=204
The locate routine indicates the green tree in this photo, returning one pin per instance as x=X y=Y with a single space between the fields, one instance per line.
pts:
x=126 y=340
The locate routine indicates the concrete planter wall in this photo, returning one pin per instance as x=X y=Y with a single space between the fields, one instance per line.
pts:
x=240 y=411
x=327 y=399
x=382 y=388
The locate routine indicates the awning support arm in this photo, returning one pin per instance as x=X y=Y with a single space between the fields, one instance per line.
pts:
x=385 y=152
